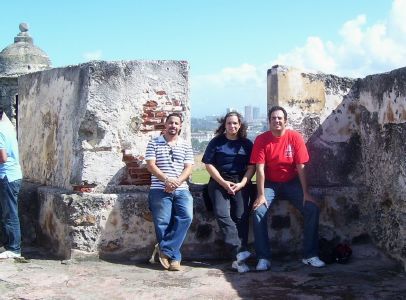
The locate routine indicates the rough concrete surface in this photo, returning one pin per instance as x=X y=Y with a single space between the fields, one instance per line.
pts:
x=368 y=275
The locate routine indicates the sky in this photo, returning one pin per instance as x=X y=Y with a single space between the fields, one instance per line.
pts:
x=229 y=44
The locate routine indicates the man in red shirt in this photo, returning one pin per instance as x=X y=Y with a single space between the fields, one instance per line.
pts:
x=280 y=155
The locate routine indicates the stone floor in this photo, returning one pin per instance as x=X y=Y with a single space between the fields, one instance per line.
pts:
x=368 y=275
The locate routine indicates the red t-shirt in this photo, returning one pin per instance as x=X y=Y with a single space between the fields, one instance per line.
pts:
x=279 y=154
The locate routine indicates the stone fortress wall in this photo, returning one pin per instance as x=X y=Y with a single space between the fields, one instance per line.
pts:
x=83 y=131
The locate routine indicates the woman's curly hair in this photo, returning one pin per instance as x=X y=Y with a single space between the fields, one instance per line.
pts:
x=242 y=132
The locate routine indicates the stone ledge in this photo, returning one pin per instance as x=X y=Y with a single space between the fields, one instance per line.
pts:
x=119 y=226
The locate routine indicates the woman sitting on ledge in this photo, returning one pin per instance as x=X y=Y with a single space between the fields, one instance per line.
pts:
x=227 y=161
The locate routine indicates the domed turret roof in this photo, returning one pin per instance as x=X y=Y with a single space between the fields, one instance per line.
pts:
x=22 y=57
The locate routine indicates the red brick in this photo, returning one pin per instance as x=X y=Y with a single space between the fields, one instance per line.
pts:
x=149 y=109
x=83 y=188
x=151 y=103
x=148 y=114
x=138 y=171
x=145 y=176
x=159 y=127
x=128 y=158
x=133 y=164
x=152 y=121
x=161 y=114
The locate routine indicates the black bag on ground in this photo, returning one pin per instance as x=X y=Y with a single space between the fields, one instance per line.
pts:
x=327 y=251
x=342 y=253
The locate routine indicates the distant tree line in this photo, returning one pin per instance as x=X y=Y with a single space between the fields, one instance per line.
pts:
x=199 y=147
x=203 y=124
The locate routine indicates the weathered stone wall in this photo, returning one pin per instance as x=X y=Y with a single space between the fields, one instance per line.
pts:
x=321 y=107
x=383 y=143
x=355 y=132
x=86 y=117
x=120 y=226
x=116 y=225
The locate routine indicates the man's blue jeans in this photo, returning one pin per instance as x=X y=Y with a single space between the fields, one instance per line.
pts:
x=172 y=214
x=293 y=192
x=9 y=214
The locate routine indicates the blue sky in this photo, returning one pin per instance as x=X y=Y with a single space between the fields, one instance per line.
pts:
x=229 y=44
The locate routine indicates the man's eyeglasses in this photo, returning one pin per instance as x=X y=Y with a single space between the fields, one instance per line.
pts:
x=171 y=154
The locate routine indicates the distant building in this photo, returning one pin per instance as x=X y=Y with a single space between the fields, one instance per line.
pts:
x=203 y=136
x=256 y=113
x=230 y=109
x=248 y=114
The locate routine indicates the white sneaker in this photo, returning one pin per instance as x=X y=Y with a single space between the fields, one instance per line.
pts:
x=240 y=266
x=9 y=254
x=314 y=262
x=241 y=256
x=263 y=265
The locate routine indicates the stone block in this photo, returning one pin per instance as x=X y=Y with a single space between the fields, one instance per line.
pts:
x=86 y=115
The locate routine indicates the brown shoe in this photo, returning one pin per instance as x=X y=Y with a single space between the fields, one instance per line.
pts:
x=175 y=266
x=163 y=259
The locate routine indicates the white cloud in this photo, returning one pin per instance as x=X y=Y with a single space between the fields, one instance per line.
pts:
x=233 y=76
x=92 y=55
x=314 y=55
x=398 y=15
x=362 y=50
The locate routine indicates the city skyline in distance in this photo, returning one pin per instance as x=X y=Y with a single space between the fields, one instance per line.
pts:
x=220 y=111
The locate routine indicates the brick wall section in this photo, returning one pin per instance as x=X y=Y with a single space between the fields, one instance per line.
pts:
x=153 y=119
x=137 y=173
x=156 y=111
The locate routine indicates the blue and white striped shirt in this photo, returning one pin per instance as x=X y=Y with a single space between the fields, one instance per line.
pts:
x=170 y=160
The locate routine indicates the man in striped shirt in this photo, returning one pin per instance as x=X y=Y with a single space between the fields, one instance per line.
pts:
x=170 y=160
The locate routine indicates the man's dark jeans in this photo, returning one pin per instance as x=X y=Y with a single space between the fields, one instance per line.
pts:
x=9 y=214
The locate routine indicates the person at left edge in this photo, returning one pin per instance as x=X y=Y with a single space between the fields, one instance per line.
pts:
x=10 y=183
x=227 y=161
x=170 y=160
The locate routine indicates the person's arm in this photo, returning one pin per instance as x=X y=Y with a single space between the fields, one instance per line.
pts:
x=215 y=174
x=3 y=150
x=3 y=156
x=246 y=178
x=302 y=177
x=187 y=171
x=260 y=187
x=170 y=183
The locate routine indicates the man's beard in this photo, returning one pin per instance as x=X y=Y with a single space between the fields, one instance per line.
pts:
x=172 y=132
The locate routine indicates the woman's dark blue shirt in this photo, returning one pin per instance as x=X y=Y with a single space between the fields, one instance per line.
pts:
x=228 y=156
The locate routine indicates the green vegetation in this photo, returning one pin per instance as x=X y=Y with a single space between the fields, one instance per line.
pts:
x=200 y=176
x=199 y=147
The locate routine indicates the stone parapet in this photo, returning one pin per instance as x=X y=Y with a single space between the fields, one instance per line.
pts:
x=119 y=225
